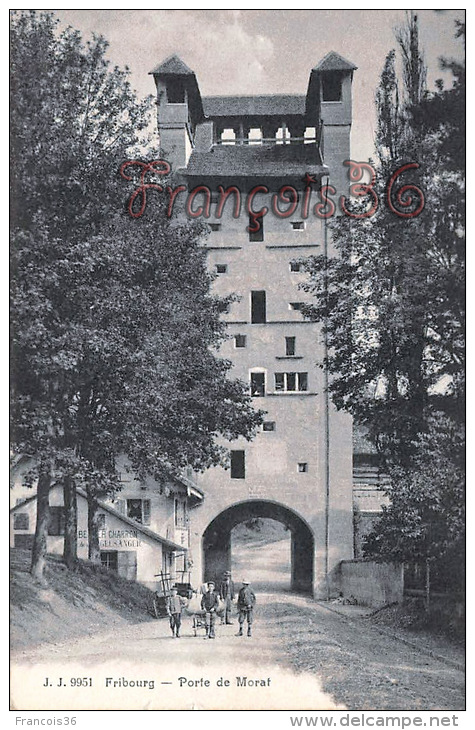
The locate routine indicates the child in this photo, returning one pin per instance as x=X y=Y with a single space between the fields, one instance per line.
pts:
x=210 y=604
x=246 y=601
x=174 y=609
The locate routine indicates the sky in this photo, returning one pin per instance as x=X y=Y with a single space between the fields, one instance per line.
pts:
x=236 y=52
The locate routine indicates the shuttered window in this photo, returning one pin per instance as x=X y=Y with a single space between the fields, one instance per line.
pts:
x=139 y=510
x=146 y=511
x=21 y=521
x=119 y=505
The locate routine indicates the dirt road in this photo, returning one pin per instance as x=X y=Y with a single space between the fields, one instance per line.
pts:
x=301 y=656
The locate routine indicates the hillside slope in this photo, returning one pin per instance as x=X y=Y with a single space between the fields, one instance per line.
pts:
x=74 y=603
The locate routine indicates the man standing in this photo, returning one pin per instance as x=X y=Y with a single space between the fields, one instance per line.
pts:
x=246 y=602
x=174 y=609
x=226 y=593
x=210 y=604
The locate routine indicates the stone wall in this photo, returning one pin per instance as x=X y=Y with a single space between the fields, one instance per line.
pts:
x=372 y=584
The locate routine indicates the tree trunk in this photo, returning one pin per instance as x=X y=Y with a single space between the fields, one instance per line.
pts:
x=38 y=557
x=427 y=585
x=70 y=551
x=93 y=527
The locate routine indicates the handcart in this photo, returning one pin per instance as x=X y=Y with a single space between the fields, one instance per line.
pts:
x=197 y=614
x=161 y=596
x=184 y=587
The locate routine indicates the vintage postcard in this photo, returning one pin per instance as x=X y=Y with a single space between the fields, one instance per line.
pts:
x=238 y=362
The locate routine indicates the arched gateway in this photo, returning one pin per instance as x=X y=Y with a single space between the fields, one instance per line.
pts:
x=217 y=540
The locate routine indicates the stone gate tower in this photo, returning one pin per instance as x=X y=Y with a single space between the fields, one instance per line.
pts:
x=298 y=470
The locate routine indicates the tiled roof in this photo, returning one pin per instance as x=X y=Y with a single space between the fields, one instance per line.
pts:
x=334 y=62
x=173 y=65
x=239 y=106
x=256 y=160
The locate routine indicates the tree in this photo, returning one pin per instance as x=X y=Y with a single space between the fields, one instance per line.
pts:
x=391 y=302
x=425 y=520
x=113 y=325
x=72 y=119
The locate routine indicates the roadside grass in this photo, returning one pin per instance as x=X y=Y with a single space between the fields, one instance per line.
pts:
x=446 y=618
x=73 y=603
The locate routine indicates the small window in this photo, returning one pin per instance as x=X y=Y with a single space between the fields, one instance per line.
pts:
x=302 y=381
x=331 y=86
x=295 y=266
x=302 y=467
x=134 y=509
x=175 y=91
x=291 y=381
x=295 y=306
x=56 y=521
x=139 y=510
x=280 y=381
x=290 y=346
x=239 y=340
x=258 y=307
x=259 y=234
x=238 y=465
x=255 y=135
x=101 y=521
x=258 y=384
x=221 y=268
x=215 y=226
x=109 y=560
x=228 y=136
x=268 y=426
x=298 y=225
x=21 y=521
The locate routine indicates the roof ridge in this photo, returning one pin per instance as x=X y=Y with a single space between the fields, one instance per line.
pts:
x=338 y=59
x=176 y=64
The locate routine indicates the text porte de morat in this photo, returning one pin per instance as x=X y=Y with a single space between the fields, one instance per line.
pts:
x=239 y=681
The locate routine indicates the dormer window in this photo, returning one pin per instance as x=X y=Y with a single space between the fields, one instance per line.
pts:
x=175 y=91
x=331 y=86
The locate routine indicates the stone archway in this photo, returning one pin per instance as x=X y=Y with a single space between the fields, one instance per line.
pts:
x=217 y=540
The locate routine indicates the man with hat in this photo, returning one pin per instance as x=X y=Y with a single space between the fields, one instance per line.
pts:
x=210 y=604
x=226 y=593
x=174 y=609
x=246 y=602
